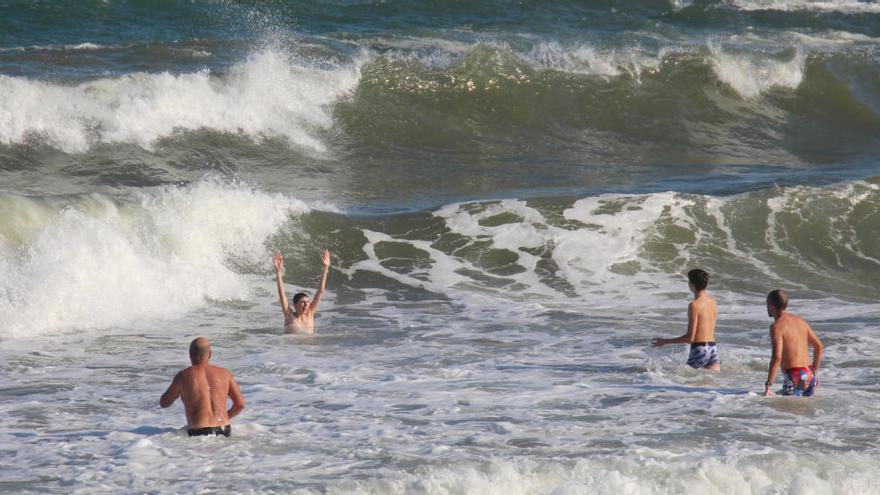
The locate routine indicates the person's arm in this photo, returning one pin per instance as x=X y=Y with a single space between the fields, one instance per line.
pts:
x=688 y=337
x=325 y=260
x=278 y=262
x=237 y=398
x=775 y=358
x=172 y=393
x=818 y=348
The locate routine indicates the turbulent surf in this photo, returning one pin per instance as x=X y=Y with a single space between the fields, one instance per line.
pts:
x=511 y=193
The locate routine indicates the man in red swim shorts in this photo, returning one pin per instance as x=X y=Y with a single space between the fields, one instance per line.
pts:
x=790 y=336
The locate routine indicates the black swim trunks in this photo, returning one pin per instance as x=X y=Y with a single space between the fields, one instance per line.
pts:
x=211 y=430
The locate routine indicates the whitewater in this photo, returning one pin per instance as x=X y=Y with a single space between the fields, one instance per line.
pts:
x=512 y=196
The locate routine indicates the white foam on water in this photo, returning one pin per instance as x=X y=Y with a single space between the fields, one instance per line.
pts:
x=833 y=40
x=856 y=196
x=616 y=236
x=431 y=44
x=264 y=96
x=806 y=205
x=480 y=393
x=586 y=59
x=752 y=74
x=636 y=247
x=819 y=474
x=616 y=228
x=750 y=71
x=84 y=46
x=193 y=52
x=843 y=6
x=99 y=262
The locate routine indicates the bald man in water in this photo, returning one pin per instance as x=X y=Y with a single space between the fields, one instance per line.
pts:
x=203 y=388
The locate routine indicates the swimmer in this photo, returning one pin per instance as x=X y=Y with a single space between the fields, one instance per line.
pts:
x=790 y=337
x=203 y=388
x=702 y=314
x=300 y=318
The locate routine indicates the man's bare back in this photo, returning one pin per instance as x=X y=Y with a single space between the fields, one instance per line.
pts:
x=702 y=314
x=792 y=333
x=204 y=389
x=790 y=339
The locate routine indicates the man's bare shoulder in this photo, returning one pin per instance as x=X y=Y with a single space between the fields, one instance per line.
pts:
x=788 y=323
x=789 y=320
x=797 y=319
x=709 y=303
x=700 y=303
x=218 y=370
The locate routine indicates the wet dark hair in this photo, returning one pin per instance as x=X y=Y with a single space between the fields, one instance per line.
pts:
x=298 y=296
x=778 y=298
x=700 y=278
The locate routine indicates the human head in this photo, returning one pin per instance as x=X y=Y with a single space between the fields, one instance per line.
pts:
x=699 y=279
x=777 y=301
x=300 y=297
x=199 y=350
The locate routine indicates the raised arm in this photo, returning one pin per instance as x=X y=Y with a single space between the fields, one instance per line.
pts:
x=278 y=262
x=691 y=334
x=775 y=358
x=172 y=393
x=237 y=398
x=325 y=259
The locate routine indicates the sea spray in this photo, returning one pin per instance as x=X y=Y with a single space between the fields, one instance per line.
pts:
x=266 y=95
x=102 y=261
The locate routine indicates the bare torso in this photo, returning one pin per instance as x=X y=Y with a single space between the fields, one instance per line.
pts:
x=302 y=323
x=203 y=390
x=704 y=311
x=794 y=332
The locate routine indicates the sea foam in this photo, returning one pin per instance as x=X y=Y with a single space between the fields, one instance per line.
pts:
x=102 y=261
x=846 y=473
x=265 y=95
x=842 y=6
x=753 y=74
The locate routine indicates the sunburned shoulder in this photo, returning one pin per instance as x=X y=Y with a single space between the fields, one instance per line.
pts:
x=787 y=319
x=210 y=368
x=217 y=369
x=798 y=319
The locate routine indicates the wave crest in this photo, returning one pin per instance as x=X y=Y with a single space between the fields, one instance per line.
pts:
x=96 y=261
x=266 y=95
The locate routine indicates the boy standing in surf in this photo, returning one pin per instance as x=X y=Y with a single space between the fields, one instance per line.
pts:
x=702 y=314
x=789 y=336
x=300 y=318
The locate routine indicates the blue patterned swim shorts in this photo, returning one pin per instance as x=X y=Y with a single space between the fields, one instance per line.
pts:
x=703 y=354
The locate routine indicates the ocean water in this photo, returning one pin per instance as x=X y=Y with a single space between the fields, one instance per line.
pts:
x=512 y=193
